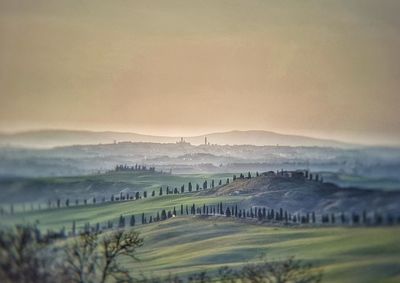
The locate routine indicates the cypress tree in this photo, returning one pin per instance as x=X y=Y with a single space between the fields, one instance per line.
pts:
x=143 y=219
x=378 y=219
x=161 y=191
x=121 y=221
x=187 y=210
x=355 y=218
x=73 y=228
x=260 y=215
x=174 y=212
x=153 y=193
x=181 y=209
x=190 y=187
x=343 y=218
x=145 y=194
x=249 y=175
x=137 y=195
x=133 y=220
x=197 y=187
x=212 y=183
x=182 y=189
x=163 y=215
x=364 y=217
x=227 y=181
x=228 y=212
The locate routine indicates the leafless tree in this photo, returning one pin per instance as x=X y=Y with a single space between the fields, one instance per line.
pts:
x=94 y=257
x=114 y=246
x=287 y=271
x=22 y=256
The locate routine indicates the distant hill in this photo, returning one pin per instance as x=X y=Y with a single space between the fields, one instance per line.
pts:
x=298 y=194
x=53 y=138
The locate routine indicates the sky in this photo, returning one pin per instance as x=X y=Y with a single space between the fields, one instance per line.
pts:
x=326 y=69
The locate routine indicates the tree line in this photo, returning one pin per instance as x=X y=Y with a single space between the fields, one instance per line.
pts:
x=135 y=168
x=189 y=188
x=260 y=214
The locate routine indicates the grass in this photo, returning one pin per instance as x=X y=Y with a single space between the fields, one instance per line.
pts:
x=24 y=192
x=55 y=218
x=367 y=182
x=184 y=245
x=187 y=244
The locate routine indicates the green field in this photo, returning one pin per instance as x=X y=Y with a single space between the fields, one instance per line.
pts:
x=25 y=192
x=184 y=245
x=55 y=218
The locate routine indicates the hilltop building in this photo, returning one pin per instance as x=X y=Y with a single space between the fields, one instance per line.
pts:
x=183 y=142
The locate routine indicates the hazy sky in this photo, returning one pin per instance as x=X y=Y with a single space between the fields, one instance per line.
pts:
x=321 y=68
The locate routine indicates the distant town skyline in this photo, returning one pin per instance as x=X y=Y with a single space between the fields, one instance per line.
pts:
x=327 y=69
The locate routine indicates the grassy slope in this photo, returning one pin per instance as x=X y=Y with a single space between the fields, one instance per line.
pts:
x=187 y=244
x=39 y=190
x=57 y=218
x=367 y=182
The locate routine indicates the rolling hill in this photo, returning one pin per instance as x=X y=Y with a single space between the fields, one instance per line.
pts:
x=302 y=195
x=52 y=138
